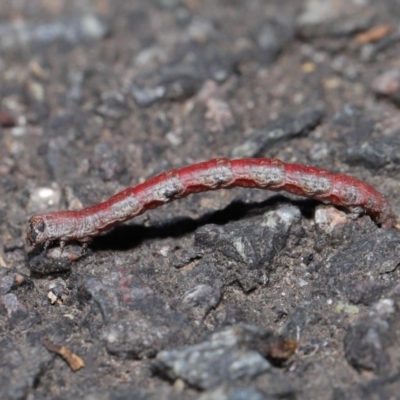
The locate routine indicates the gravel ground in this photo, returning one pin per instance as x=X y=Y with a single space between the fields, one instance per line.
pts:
x=226 y=295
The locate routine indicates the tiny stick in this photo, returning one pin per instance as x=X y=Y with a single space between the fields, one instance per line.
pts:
x=263 y=173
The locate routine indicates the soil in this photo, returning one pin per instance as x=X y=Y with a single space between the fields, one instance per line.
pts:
x=232 y=294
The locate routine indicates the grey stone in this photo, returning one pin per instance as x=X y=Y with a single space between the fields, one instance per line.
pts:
x=73 y=31
x=367 y=343
x=286 y=128
x=226 y=356
x=376 y=153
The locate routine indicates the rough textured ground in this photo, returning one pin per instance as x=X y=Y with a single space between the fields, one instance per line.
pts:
x=239 y=294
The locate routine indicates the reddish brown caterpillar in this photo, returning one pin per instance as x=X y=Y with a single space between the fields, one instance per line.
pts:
x=316 y=183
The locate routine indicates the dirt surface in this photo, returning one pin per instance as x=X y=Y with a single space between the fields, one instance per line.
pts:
x=226 y=295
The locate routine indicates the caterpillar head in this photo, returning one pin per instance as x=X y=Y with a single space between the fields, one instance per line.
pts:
x=36 y=231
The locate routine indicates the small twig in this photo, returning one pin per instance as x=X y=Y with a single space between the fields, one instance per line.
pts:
x=73 y=360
